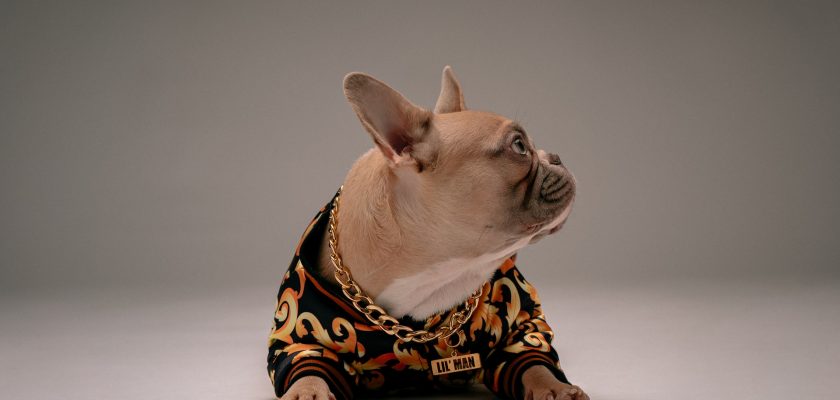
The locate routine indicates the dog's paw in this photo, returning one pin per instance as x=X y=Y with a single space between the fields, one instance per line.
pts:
x=308 y=388
x=557 y=391
x=540 y=384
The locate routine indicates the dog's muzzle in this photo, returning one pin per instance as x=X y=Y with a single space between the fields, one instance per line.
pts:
x=558 y=184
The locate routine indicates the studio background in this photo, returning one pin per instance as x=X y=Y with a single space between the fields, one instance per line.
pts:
x=159 y=161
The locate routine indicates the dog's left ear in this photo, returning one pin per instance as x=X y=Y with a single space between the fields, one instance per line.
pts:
x=451 y=99
x=399 y=128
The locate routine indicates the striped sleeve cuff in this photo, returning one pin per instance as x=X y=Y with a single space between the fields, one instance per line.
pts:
x=322 y=368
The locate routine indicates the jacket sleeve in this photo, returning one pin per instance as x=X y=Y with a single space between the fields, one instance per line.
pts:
x=294 y=351
x=526 y=341
x=289 y=362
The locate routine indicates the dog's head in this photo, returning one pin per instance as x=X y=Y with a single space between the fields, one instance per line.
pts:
x=474 y=179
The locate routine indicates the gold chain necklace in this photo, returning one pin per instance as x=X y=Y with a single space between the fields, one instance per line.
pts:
x=379 y=317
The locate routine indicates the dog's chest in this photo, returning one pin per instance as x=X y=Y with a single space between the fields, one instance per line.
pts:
x=440 y=287
x=444 y=285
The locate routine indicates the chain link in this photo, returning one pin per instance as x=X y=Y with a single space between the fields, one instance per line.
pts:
x=377 y=315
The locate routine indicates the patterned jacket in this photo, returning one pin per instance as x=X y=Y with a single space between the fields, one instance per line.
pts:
x=318 y=332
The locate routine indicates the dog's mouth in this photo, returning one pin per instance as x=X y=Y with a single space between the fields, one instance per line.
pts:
x=551 y=224
x=533 y=228
x=550 y=203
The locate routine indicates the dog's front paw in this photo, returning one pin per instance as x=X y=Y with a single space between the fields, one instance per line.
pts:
x=308 y=388
x=540 y=384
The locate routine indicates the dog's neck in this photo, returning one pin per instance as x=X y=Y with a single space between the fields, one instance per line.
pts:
x=385 y=240
x=376 y=244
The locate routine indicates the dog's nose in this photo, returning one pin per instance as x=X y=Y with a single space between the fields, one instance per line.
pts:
x=554 y=159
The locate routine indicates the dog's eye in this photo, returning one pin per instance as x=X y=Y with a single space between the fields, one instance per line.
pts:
x=519 y=147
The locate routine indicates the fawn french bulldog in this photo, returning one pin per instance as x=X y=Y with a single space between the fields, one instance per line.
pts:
x=407 y=277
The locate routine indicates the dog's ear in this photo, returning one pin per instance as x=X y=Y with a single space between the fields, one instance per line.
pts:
x=451 y=99
x=396 y=125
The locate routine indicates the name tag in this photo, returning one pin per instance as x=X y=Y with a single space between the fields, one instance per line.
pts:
x=455 y=364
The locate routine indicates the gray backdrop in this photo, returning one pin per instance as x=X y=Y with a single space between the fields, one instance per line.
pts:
x=155 y=153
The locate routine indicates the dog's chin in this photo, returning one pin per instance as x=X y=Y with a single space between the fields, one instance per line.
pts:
x=536 y=238
x=552 y=225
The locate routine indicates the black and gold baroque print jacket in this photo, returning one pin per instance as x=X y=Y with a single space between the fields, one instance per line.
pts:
x=318 y=332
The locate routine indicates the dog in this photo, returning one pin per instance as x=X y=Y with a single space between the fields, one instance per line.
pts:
x=406 y=278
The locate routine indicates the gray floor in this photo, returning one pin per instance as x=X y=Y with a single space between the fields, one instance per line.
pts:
x=619 y=340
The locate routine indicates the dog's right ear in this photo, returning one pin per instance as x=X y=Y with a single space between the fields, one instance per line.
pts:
x=451 y=98
x=396 y=125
